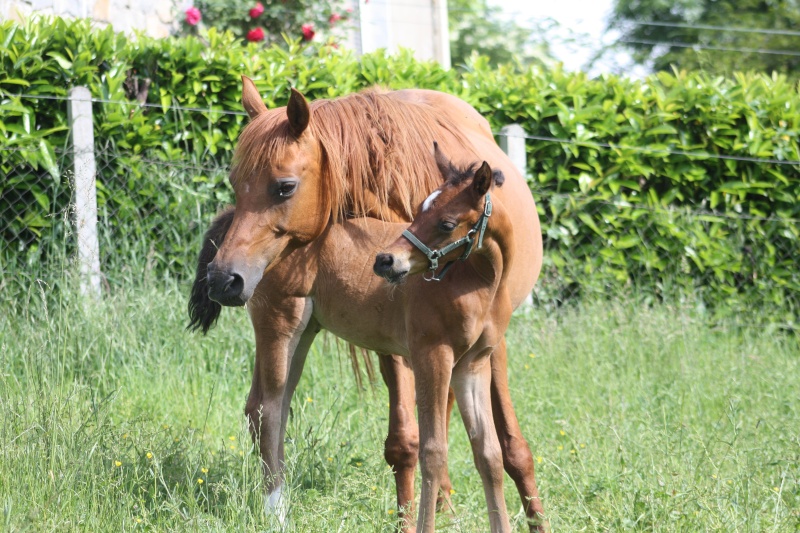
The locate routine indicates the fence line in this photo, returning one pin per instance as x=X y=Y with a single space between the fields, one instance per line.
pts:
x=544 y=138
x=127 y=103
x=160 y=220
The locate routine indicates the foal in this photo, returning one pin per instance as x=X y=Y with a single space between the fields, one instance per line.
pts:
x=454 y=325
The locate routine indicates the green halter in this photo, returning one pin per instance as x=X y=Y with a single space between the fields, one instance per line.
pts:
x=468 y=240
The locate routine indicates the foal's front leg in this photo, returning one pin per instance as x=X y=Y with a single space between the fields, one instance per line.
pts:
x=471 y=381
x=432 y=370
x=401 y=448
x=284 y=331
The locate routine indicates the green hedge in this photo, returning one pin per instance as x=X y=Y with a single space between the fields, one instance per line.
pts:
x=629 y=214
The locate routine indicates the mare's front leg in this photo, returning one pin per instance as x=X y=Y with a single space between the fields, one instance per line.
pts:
x=284 y=331
x=433 y=366
x=517 y=458
x=471 y=381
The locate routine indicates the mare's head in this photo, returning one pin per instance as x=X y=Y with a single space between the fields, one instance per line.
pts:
x=451 y=217
x=280 y=204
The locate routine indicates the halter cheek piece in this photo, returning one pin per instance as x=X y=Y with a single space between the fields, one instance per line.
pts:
x=468 y=241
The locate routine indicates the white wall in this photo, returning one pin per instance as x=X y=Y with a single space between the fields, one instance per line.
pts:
x=417 y=24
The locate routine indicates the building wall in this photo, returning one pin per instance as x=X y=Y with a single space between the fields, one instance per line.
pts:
x=420 y=25
x=153 y=16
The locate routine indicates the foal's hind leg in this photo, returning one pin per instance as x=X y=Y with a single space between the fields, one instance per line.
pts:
x=517 y=458
x=284 y=331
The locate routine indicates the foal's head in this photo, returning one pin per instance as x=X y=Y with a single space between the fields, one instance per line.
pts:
x=448 y=226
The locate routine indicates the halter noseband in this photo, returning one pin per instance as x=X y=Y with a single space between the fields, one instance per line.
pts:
x=468 y=240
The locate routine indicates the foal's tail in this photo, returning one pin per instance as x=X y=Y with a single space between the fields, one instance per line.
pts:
x=203 y=311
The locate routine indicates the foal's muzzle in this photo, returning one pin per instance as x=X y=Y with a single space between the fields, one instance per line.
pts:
x=389 y=267
x=225 y=287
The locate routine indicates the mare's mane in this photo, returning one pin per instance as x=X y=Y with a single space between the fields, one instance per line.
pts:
x=376 y=147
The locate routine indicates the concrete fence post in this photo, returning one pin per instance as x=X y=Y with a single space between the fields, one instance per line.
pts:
x=82 y=134
x=512 y=141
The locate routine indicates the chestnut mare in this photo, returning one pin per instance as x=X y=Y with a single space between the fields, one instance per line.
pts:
x=452 y=327
x=304 y=170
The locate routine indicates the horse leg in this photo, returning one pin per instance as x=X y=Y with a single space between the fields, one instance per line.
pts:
x=517 y=458
x=401 y=448
x=432 y=371
x=443 y=499
x=284 y=332
x=472 y=382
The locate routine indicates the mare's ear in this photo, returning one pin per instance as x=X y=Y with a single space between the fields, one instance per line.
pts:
x=299 y=112
x=482 y=181
x=251 y=100
x=444 y=164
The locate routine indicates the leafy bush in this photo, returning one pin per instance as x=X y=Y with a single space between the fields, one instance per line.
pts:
x=266 y=22
x=636 y=197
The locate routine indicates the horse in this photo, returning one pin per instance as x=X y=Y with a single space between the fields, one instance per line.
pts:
x=454 y=325
x=302 y=169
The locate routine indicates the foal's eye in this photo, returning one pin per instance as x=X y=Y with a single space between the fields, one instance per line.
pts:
x=447 y=225
x=284 y=189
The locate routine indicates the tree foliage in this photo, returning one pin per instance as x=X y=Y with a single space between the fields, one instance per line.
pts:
x=475 y=26
x=677 y=33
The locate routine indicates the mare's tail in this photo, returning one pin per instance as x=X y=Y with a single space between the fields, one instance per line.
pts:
x=203 y=311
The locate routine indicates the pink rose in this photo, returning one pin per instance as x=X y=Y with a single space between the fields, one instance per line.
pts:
x=334 y=18
x=255 y=12
x=255 y=35
x=308 y=32
x=193 y=16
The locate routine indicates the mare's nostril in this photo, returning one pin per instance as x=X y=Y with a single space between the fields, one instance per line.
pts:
x=225 y=287
x=235 y=285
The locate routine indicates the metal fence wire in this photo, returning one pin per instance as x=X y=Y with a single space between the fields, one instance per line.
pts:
x=152 y=214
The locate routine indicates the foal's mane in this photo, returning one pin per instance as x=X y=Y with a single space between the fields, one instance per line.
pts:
x=376 y=147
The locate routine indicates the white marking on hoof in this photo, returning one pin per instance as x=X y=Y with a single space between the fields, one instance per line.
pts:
x=275 y=504
x=429 y=200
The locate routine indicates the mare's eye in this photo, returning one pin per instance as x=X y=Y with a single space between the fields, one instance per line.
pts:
x=284 y=189
x=446 y=225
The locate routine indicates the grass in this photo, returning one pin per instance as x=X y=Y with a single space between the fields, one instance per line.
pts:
x=640 y=417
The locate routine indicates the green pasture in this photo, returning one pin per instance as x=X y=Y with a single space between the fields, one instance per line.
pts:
x=113 y=418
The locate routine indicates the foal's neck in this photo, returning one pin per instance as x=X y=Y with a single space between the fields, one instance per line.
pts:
x=491 y=262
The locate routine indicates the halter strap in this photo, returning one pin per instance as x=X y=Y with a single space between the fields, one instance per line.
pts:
x=468 y=240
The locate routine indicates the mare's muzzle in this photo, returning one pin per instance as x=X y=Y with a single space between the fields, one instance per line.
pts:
x=225 y=286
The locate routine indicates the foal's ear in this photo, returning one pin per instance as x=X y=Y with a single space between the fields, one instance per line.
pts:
x=251 y=100
x=299 y=112
x=444 y=164
x=482 y=181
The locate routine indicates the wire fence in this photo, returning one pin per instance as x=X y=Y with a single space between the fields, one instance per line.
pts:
x=153 y=212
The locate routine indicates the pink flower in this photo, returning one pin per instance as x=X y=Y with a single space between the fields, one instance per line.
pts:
x=255 y=12
x=308 y=32
x=255 y=35
x=193 y=16
x=334 y=18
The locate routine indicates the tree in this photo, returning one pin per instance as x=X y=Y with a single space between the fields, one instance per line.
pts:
x=719 y=36
x=474 y=25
